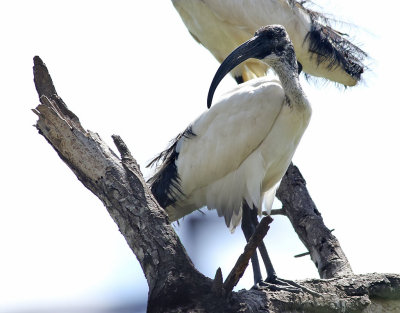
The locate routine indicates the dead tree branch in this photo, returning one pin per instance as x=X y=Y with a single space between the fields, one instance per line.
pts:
x=174 y=284
x=121 y=187
x=298 y=206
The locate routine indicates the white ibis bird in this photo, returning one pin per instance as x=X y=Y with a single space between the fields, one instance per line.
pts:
x=222 y=25
x=233 y=156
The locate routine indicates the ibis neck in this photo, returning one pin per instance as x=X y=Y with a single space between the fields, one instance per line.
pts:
x=289 y=79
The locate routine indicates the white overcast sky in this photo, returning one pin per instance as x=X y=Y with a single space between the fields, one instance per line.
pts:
x=131 y=68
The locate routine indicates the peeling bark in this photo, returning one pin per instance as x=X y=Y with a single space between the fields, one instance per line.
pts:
x=174 y=284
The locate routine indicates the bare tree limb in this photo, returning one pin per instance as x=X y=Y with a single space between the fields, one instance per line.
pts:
x=174 y=284
x=298 y=206
x=122 y=189
x=368 y=293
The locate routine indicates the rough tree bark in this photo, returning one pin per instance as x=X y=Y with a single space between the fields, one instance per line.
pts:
x=297 y=205
x=174 y=284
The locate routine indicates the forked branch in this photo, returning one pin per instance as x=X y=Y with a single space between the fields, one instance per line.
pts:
x=174 y=284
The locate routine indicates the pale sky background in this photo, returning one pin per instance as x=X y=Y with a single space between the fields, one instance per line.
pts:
x=131 y=68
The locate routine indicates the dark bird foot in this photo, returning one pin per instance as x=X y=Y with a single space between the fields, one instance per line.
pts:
x=280 y=284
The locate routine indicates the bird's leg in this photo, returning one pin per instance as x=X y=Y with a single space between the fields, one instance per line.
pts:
x=271 y=274
x=251 y=214
x=249 y=224
x=248 y=229
x=272 y=281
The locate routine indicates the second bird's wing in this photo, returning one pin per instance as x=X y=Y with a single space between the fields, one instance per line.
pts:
x=222 y=25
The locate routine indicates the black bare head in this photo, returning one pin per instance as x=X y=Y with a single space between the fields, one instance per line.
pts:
x=270 y=44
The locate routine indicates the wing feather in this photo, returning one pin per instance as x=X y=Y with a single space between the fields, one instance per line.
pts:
x=222 y=25
x=227 y=134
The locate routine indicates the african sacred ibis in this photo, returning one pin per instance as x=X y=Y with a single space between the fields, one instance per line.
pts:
x=238 y=151
x=222 y=25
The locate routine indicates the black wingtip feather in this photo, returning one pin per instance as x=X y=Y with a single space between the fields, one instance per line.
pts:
x=165 y=183
x=330 y=45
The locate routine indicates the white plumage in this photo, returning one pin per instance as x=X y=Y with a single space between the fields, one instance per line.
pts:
x=240 y=148
x=233 y=157
x=222 y=25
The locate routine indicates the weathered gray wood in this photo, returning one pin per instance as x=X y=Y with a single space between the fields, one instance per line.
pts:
x=121 y=187
x=378 y=293
x=298 y=206
x=174 y=284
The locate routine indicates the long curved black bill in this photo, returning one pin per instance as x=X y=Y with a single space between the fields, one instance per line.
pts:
x=253 y=48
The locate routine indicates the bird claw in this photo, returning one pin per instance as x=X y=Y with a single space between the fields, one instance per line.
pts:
x=279 y=284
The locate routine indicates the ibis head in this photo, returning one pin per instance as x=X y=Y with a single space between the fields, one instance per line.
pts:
x=270 y=44
x=233 y=157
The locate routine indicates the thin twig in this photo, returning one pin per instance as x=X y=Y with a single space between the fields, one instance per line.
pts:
x=274 y=212
x=243 y=260
x=302 y=254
